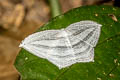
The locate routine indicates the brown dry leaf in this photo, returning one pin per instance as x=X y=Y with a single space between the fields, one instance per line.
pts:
x=8 y=50
x=19 y=13
x=6 y=9
x=69 y=4
x=27 y=17
x=16 y=17
x=113 y=17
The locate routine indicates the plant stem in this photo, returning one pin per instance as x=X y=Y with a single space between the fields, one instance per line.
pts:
x=55 y=7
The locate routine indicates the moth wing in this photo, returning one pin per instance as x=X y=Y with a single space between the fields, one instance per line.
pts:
x=47 y=43
x=88 y=56
x=47 y=34
x=64 y=48
x=87 y=31
x=34 y=50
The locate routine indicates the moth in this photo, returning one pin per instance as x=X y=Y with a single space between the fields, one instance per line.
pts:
x=67 y=46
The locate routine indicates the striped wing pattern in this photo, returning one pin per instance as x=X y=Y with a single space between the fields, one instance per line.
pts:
x=66 y=46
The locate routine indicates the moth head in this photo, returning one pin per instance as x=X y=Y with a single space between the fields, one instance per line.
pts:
x=22 y=44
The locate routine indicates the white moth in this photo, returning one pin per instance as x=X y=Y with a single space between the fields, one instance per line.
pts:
x=67 y=46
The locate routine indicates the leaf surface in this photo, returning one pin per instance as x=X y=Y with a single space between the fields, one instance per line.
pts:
x=107 y=51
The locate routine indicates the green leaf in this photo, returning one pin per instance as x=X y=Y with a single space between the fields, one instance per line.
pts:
x=107 y=51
